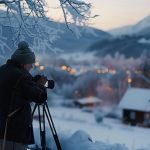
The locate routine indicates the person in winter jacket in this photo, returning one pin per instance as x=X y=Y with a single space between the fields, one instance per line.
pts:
x=17 y=91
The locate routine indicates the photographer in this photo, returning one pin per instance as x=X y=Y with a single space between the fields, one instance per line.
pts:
x=17 y=90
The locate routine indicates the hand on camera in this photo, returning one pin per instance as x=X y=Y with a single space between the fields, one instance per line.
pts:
x=42 y=80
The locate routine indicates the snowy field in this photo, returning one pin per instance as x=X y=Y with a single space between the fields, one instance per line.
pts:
x=110 y=132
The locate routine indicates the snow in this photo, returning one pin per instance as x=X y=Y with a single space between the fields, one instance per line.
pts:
x=132 y=29
x=82 y=137
x=121 y=30
x=79 y=130
x=144 y=41
x=3 y=43
x=81 y=140
x=136 y=99
x=144 y=23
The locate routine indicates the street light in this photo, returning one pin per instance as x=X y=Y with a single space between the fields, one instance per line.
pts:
x=37 y=64
x=42 y=68
x=64 y=67
x=129 y=82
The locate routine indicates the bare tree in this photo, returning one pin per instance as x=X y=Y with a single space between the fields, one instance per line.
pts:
x=29 y=18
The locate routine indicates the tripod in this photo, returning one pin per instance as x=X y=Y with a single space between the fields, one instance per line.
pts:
x=43 y=111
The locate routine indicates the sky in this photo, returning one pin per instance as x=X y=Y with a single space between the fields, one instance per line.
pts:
x=112 y=13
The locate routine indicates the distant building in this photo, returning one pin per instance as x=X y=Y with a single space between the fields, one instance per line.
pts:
x=135 y=105
x=88 y=102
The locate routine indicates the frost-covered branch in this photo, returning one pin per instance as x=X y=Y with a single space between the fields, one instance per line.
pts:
x=25 y=6
x=74 y=9
x=76 y=12
x=6 y=1
x=28 y=19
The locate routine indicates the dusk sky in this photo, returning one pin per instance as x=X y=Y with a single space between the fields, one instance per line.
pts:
x=113 y=13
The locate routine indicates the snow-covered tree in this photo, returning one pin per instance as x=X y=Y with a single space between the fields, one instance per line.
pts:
x=27 y=19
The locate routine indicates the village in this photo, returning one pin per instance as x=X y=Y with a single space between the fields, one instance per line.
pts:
x=132 y=100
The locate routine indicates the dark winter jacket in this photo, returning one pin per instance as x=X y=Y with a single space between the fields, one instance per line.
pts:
x=17 y=90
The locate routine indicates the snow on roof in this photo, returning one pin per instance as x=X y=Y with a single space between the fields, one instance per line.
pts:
x=89 y=100
x=136 y=99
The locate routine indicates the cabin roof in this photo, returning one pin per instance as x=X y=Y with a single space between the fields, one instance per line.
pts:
x=89 y=100
x=136 y=99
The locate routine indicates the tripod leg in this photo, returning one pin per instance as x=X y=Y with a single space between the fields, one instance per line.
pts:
x=39 y=115
x=34 y=109
x=42 y=125
x=43 y=143
x=42 y=128
x=51 y=124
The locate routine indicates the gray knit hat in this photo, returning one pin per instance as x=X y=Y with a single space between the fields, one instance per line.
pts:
x=23 y=55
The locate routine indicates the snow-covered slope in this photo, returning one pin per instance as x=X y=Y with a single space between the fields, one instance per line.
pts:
x=80 y=140
x=77 y=130
x=132 y=29
x=121 y=30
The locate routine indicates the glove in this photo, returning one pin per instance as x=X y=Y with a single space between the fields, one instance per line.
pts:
x=40 y=79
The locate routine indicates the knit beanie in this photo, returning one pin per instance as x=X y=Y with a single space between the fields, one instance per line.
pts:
x=23 y=55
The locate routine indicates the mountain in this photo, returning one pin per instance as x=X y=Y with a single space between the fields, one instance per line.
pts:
x=70 y=43
x=131 y=41
x=132 y=29
x=145 y=33
x=67 y=41
x=129 y=46
x=125 y=30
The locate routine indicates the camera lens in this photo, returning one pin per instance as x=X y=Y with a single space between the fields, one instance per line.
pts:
x=51 y=84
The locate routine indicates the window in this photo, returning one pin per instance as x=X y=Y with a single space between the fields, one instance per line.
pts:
x=147 y=116
x=132 y=115
x=147 y=119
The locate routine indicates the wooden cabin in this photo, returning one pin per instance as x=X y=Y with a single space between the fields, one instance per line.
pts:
x=88 y=102
x=135 y=106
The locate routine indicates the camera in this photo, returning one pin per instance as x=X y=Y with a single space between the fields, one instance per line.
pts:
x=49 y=84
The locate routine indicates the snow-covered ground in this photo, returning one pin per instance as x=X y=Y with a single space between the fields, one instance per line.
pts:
x=112 y=132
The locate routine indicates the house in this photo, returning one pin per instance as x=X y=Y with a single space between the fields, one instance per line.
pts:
x=88 y=102
x=135 y=106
